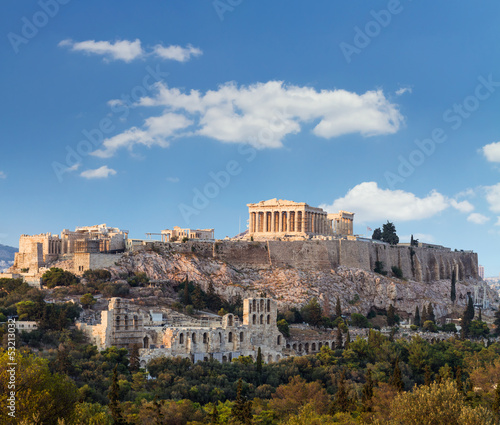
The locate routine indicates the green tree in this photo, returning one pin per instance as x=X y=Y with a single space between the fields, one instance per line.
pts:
x=37 y=392
x=312 y=313
x=259 y=362
x=416 y=320
x=114 y=399
x=397 y=272
x=367 y=392
x=242 y=408
x=341 y=398
x=338 y=308
x=134 y=360
x=377 y=234
x=391 y=316
x=359 y=320
x=213 y=299
x=87 y=300
x=430 y=313
x=389 y=233
x=283 y=327
x=396 y=379
x=379 y=268
x=339 y=342
x=478 y=329
x=467 y=317
x=198 y=298
x=430 y=326
x=58 y=277
x=186 y=297
x=424 y=317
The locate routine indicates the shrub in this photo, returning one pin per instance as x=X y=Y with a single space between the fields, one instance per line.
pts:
x=397 y=272
x=379 y=268
x=430 y=326
x=58 y=277
x=359 y=320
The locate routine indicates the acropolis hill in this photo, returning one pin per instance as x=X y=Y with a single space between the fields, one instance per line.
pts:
x=292 y=252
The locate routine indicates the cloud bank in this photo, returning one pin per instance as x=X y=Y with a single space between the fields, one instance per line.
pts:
x=260 y=114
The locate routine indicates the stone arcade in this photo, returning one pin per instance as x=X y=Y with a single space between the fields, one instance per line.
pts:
x=212 y=337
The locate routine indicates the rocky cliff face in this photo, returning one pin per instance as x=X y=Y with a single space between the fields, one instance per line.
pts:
x=359 y=290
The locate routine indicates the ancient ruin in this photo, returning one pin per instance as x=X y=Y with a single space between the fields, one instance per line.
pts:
x=174 y=334
x=37 y=251
x=277 y=219
x=178 y=234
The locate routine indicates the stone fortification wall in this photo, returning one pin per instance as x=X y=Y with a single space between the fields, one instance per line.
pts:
x=420 y=264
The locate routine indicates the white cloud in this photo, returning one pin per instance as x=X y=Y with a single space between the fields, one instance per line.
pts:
x=128 y=51
x=99 y=173
x=157 y=130
x=3 y=175
x=262 y=114
x=371 y=203
x=403 y=90
x=119 y=50
x=173 y=179
x=493 y=197
x=477 y=218
x=492 y=152
x=463 y=206
x=498 y=221
x=176 y=53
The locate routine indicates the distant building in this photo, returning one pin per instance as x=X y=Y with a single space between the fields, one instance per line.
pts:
x=480 y=271
x=178 y=234
x=36 y=251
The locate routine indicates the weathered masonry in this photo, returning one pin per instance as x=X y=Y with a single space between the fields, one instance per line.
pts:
x=279 y=218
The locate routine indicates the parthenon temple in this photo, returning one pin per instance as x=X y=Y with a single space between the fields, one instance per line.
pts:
x=277 y=218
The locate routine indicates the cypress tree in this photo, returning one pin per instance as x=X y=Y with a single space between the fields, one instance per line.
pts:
x=259 y=361
x=339 y=342
x=186 y=299
x=347 y=340
x=242 y=409
x=338 y=308
x=391 y=316
x=453 y=294
x=416 y=320
x=114 y=399
x=396 y=380
x=424 y=317
x=467 y=318
x=367 y=392
x=430 y=313
x=134 y=362
x=197 y=298
x=341 y=397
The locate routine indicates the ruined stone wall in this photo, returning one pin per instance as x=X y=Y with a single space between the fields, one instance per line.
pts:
x=420 y=264
x=86 y=261
x=243 y=254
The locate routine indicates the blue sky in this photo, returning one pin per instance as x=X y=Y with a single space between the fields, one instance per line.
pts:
x=154 y=114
